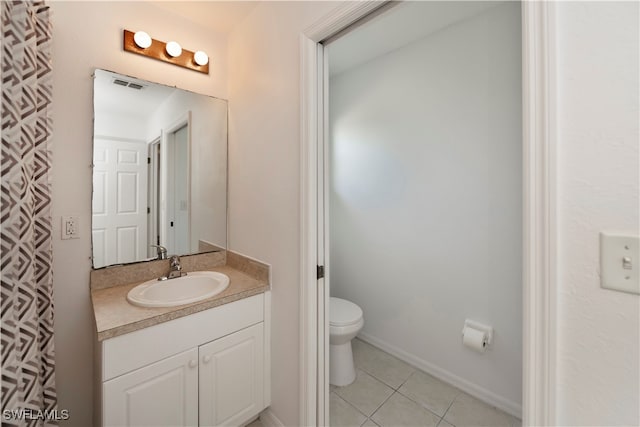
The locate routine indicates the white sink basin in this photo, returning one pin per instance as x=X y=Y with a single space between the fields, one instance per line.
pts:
x=195 y=286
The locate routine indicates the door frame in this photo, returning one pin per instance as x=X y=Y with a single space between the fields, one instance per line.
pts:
x=539 y=211
x=153 y=190
x=167 y=172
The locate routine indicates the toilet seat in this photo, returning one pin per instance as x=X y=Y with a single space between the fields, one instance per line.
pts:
x=343 y=312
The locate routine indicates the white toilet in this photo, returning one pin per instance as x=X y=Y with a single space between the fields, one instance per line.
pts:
x=345 y=321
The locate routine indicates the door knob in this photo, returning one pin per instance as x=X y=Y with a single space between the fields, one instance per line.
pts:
x=193 y=363
x=206 y=359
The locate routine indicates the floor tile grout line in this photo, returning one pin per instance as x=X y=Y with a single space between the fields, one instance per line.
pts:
x=369 y=348
x=393 y=391
x=451 y=404
x=440 y=419
x=376 y=378
x=390 y=356
x=420 y=404
x=414 y=370
x=380 y=380
x=350 y=404
x=407 y=379
x=381 y=405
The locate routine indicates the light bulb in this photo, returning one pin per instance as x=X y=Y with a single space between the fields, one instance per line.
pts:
x=142 y=39
x=201 y=58
x=174 y=49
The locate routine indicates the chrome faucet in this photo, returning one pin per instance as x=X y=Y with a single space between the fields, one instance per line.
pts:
x=162 y=251
x=175 y=270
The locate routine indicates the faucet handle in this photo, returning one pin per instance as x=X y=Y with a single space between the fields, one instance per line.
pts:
x=175 y=263
x=162 y=251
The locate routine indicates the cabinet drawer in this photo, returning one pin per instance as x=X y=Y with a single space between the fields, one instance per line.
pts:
x=131 y=351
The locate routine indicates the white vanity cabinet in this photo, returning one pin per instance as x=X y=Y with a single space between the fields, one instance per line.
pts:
x=164 y=393
x=231 y=378
x=210 y=368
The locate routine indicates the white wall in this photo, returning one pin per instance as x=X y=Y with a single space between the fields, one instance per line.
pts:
x=88 y=35
x=426 y=198
x=264 y=167
x=208 y=160
x=599 y=174
x=599 y=359
x=598 y=343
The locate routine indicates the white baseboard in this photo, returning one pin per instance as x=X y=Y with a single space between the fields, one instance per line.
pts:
x=269 y=419
x=475 y=390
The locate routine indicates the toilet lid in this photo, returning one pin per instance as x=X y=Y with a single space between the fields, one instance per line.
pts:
x=343 y=312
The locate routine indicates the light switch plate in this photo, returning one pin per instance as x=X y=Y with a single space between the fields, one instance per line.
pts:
x=620 y=261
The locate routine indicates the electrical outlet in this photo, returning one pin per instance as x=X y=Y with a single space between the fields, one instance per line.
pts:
x=70 y=226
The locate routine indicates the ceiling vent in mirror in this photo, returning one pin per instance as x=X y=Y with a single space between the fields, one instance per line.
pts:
x=125 y=83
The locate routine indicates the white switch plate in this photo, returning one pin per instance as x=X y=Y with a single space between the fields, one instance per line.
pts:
x=620 y=261
x=70 y=225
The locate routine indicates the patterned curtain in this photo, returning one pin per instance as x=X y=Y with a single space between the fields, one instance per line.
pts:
x=26 y=331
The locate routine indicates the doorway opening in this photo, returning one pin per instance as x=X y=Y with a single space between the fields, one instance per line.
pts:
x=424 y=205
x=178 y=190
x=174 y=198
x=538 y=213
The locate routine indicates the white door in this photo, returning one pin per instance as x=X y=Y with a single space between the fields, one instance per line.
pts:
x=164 y=393
x=119 y=226
x=231 y=378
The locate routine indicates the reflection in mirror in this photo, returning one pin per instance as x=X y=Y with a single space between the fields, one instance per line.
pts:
x=159 y=171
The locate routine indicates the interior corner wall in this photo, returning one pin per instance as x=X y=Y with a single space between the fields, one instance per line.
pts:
x=88 y=35
x=426 y=199
x=264 y=169
x=598 y=345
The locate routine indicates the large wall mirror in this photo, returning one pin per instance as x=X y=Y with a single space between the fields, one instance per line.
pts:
x=159 y=170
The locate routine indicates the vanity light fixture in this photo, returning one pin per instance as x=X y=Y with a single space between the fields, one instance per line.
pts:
x=142 y=44
x=142 y=39
x=201 y=58
x=174 y=49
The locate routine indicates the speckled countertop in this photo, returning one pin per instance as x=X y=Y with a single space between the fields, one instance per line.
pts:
x=114 y=315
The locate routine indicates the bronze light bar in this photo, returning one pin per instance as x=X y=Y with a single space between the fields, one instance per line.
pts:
x=158 y=50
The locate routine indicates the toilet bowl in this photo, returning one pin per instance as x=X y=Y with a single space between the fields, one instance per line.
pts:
x=345 y=321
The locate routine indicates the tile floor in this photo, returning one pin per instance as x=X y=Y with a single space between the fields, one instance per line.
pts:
x=255 y=423
x=388 y=392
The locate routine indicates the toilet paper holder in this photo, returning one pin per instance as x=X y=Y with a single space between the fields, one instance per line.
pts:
x=488 y=330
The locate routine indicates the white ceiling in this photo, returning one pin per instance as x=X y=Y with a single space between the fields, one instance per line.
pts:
x=219 y=16
x=112 y=98
x=402 y=24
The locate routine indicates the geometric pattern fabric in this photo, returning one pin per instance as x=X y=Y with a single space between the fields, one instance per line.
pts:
x=26 y=329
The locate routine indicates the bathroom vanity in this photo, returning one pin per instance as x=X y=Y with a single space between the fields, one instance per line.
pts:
x=205 y=363
x=159 y=188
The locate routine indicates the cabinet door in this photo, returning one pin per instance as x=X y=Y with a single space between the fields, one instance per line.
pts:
x=164 y=393
x=231 y=378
